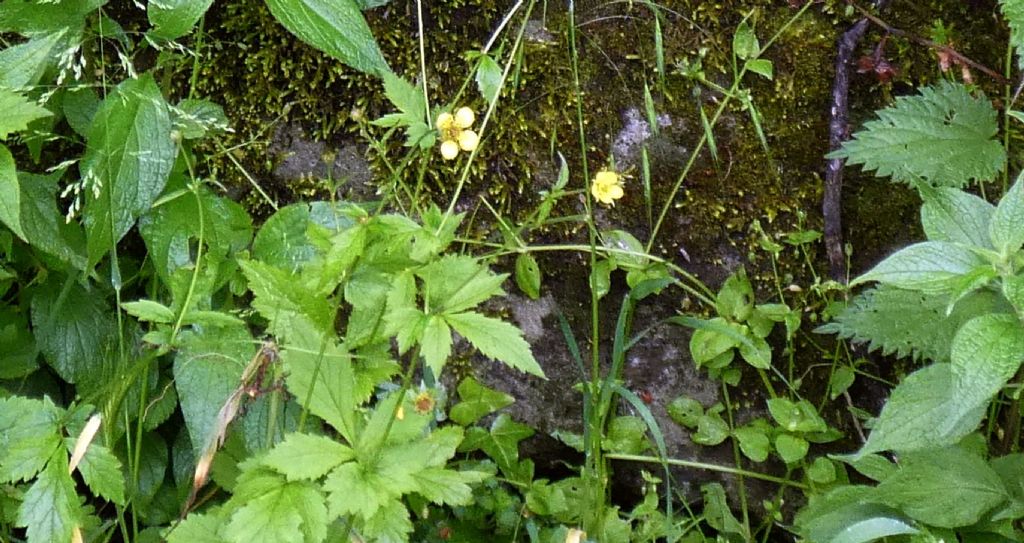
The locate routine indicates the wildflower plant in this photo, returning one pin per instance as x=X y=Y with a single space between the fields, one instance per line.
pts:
x=455 y=132
x=606 y=187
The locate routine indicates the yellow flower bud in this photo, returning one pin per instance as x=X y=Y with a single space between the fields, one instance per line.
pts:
x=468 y=140
x=449 y=149
x=464 y=117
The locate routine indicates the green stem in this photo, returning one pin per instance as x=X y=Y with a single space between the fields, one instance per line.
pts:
x=707 y=467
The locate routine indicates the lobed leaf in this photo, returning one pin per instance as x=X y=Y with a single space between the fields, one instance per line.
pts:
x=496 y=339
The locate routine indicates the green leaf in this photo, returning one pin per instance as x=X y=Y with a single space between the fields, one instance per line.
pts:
x=276 y=511
x=80 y=105
x=406 y=97
x=1007 y=227
x=10 y=192
x=744 y=41
x=501 y=443
x=281 y=241
x=711 y=429
x=455 y=283
x=909 y=323
x=130 y=154
x=196 y=118
x=735 y=299
x=956 y=216
x=74 y=331
x=50 y=508
x=855 y=523
x=45 y=226
x=488 y=78
x=173 y=19
x=436 y=344
x=754 y=442
x=931 y=267
x=987 y=352
x=305 y=456
x=19 y=111
x=19 y=356
x=840 y=381
x=762 y=67
x=28 y=17
x=923 y=411
x=351 y=490
x=203 y=527
x=821 y=471
x=148 y=310
x=390 y=523
x=944 y=136
x=477 y=401
x=29 y=436
x=626 y=435
x=1013 y=11
x=528 y=275
x=319 y=375
x=791 y=448
x=336 y=27
x=207 y=369
x=948 y=488
x=873 y=466
x=101 y=471
x=447 y=487
x=717 y=512
x=496 y=339
x=793 y=416
x=685 y=411
x=285 y=302
x=23 y=65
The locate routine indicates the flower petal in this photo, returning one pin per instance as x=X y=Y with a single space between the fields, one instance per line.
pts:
x=449 y=149
x=468 y=140
x=464 y=117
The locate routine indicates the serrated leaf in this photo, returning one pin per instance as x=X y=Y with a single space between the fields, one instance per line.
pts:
x=924 y=411
x=72 y=332
x=987 y=352
x=284 y=302
x=436 y=344
x=29 y=436
x=10 y=191
x=1013 y=11
x=336 y=27
x=102 y=473
x=50 y=508
x=23 y=65
x=1006 y=230
x=149 y=310
x=528 y=275
x=948 y=488
x=173 y=19
x=305 y=456
x=80 y=105
x=406 y=97
x=350 y=491
x=197 y=528
x=390 y=523
x=909 y=323
x=19 y=111
x=45 y=227
x=477 y=401
x=496 y=339
x=130 y=154
x=319 y=374
x=944 y=136
x=455 y=283
x=930 y=267
x=501 y=442
x=488 y=78
x=447 y=487
x=952 y=215
x=276 y=511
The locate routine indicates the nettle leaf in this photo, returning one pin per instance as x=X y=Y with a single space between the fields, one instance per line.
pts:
x=305 y=456
x=50 y=508
x=31 y=17
x=477 y=401
x=909 y=323
x=336 y=27
x=930 y=267
x=948 y=488
x=173 y=19
x=924 y=411
x=956 y=216
x=272 y=509
x=496 y=339
x=44 y=225
x=101 y=471
x=130 y=153
x=72 y=331
x=23 y=65
x=987 y=352
x=19 y=111
x=944 y=136
x=1007 y=227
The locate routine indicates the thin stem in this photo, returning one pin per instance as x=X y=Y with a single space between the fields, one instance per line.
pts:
x=423 y=60
x=707 y=467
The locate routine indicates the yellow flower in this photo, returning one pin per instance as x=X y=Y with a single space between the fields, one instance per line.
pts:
x=607 y=187
x=455 y=132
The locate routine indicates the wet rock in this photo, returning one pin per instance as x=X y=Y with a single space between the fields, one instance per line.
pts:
x=300 y=157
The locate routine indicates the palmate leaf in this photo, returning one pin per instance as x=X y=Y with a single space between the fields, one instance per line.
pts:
x=909 y=323
x=304 y=456
x=943 y=136
x=496 y=339
x=274 y=510
x=50 y=509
